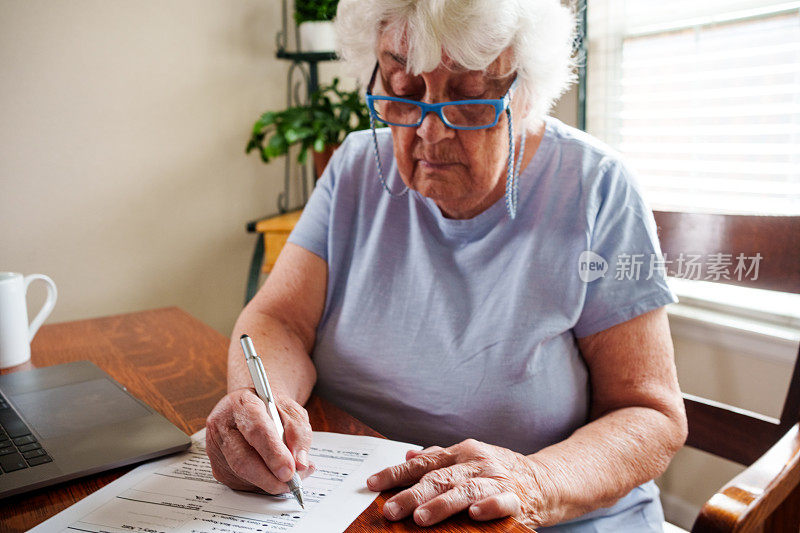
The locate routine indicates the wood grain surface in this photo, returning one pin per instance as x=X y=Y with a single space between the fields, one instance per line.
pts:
x=765 y=497
x=775 y=238
x=177 y=365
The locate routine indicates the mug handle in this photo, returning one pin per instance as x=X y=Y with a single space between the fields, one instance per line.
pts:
x=44 y=312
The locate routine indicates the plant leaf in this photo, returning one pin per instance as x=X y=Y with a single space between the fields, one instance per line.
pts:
x=330 y=115
x=292 y=136
x=277 y=145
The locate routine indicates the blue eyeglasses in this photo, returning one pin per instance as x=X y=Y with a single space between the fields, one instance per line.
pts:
x=460 y=115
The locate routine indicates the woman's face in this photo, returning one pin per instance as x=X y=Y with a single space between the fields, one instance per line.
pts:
x=463 y=171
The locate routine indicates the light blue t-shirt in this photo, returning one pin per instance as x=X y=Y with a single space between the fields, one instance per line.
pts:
x=437 y=330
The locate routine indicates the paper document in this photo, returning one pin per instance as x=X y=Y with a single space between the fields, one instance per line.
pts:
x=179 y=494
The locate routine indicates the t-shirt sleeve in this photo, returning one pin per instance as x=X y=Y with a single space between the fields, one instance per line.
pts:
x=311 y=231
x=623 y=272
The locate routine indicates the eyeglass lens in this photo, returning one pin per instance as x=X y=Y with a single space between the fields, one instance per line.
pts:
x=406 y=113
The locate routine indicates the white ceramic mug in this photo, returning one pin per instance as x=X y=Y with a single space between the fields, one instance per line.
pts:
x=15 y=333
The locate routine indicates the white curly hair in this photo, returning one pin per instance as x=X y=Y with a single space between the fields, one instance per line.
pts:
x=473 y=33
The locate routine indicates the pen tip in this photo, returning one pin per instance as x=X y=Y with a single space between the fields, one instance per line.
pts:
x=244 y=336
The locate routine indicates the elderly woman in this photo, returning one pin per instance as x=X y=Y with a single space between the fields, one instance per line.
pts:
x=436 y=288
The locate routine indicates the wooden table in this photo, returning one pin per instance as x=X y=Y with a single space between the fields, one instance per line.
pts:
x=177 y=365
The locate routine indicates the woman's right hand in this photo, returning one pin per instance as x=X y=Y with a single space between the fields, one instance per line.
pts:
x=243 y=446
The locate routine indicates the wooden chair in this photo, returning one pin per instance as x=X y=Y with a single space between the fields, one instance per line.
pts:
x=273 y=232
x=766 y=496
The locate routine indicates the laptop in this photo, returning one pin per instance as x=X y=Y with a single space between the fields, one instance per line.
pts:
x=61 y=422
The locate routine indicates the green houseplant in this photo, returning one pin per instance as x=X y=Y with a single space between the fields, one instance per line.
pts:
x=312 y=10
x=313 y=24
x=320 y=125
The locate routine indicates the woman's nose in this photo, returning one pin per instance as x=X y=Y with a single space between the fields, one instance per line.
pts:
x=433 y=130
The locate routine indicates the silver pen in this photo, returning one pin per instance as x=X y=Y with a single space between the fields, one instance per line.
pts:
x=259 y=376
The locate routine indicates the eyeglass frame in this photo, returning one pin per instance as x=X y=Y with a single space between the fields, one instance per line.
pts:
x=500 y=105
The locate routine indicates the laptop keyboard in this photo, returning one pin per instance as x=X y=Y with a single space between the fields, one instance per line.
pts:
x=18 y=447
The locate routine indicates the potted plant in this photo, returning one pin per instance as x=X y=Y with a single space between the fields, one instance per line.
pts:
x=321 y=126
x=313 y=18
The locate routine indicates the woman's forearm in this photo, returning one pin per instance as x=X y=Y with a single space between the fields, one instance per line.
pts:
x=286 y=360
x=282 y=320
x=603 y=461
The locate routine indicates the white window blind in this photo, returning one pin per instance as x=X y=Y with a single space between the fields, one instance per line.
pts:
x=702 y=97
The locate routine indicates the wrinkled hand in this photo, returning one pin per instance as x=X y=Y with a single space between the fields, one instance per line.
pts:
x=491 y=481
x=243 y=446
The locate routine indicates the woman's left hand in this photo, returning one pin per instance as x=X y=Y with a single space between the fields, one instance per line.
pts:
x=492 y=482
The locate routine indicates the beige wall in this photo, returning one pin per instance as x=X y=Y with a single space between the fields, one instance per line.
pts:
x=123 y=170
x=566 y=109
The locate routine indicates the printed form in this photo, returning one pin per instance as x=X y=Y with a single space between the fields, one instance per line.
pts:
x=179 y=494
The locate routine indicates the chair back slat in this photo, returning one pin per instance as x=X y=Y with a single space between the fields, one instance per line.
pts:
x=727 y=431
x=776 y=239
x=791 y=408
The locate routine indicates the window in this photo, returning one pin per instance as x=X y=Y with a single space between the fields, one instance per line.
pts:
x=702 y=98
